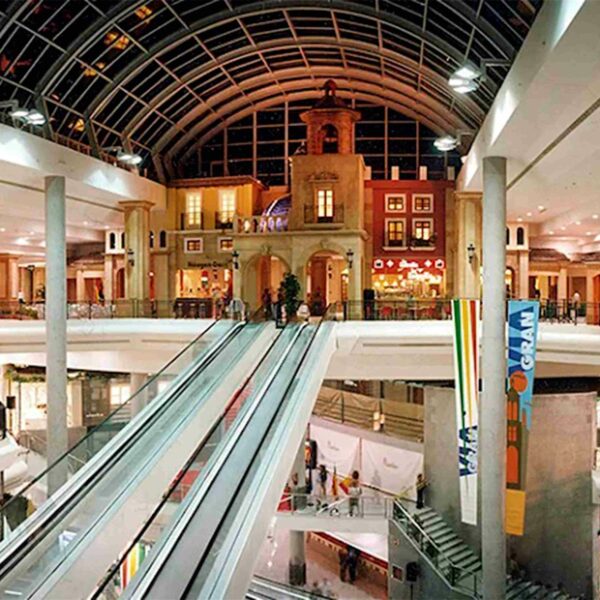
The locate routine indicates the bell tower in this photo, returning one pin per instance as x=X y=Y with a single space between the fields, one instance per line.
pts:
x=330 y=124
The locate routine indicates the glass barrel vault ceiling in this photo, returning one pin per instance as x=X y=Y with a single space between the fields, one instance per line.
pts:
x=166 y=77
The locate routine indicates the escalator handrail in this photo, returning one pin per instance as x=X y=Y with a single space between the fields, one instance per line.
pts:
x=213 y=467
x=98 y=465
x=285 y=395
x=179 y=477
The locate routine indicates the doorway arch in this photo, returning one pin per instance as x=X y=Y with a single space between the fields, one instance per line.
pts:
x=262 y=272
x=327 y=277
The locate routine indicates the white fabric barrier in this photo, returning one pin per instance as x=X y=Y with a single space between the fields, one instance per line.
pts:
x=390 y=468
x=335 y=449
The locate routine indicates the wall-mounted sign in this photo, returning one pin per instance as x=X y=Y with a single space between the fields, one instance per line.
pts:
x=399 y=264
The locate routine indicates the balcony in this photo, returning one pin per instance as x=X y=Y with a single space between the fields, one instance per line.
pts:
x=312 y=217
x=224 y=220
x=260 y=224
x=417 y=243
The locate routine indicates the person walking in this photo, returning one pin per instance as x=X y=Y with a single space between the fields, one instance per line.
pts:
x=266 y=302
x=343 y=558
x=421 y=486
x=353 y=555
x=354 y=491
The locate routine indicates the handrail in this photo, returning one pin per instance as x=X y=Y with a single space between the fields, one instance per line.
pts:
x=457 y=572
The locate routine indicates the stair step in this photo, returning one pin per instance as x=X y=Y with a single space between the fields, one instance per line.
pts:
x=469 y=564
x=460 y=553
x=439 y=527
x=516 y=590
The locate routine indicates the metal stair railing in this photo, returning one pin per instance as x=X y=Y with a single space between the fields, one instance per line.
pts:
x=461 y=580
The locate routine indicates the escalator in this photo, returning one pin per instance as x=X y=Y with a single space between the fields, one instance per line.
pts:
x=218 y=510
x=66 y=546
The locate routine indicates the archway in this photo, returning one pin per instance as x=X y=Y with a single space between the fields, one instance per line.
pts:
x=120 y=283
x=262 y=272
x=326 y=279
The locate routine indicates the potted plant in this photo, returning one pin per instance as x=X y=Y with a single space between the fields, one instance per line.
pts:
x=291 y=291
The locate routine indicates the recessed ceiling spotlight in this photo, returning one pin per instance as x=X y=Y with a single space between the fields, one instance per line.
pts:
x=2 y=229
x=519 y=219
x=85 y=223
x=529 y=214
x=551 y=232
x=563 y=228
x=595 y=216
x=541 y=208
x=106 y=227
x=32 y=233
x=588 y=233
x=577 y=222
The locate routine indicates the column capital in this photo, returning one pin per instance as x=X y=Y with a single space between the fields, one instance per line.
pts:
x=473 y=196
x=129 y=205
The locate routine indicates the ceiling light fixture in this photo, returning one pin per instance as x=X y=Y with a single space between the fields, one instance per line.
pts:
x=519 y=219
x=446 y=143
x=594 y=216
x=541 y=208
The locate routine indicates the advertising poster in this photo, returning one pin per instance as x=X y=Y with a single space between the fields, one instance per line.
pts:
x=523 y=317
x=465 y=317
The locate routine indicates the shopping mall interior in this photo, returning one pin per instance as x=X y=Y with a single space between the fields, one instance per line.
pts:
x=300 y=299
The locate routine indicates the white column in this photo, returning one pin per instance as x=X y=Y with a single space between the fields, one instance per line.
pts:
x=80 y=286
x=56 y=329
x=492 y=430
x=136 y=382
x=297 y=566
x=562 y=288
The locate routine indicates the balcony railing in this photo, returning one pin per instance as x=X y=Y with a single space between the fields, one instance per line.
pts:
x=312 y=216
x=261 y=224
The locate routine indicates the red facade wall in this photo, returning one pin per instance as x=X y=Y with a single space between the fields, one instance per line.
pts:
x=381 y=188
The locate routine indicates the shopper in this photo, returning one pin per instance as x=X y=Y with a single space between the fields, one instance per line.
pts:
x=266 y=302
x=353 y=556
x=323 y=480
x=343 y=558
x=354 y=491
x=421 y=485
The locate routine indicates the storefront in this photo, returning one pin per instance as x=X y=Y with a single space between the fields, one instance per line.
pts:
x=398 y=279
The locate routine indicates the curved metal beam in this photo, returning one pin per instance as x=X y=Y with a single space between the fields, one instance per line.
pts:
x=269 y=6
x=468 y=106
x=294 y=90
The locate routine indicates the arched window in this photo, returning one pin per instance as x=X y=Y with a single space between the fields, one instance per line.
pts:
x=112 y=240
x=330 y=139
x=123 y=240
x=507 y=236
x=162 y=239
x=152 y=239
x=520 y=236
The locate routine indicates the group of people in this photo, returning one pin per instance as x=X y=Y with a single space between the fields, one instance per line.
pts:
x=354 y=489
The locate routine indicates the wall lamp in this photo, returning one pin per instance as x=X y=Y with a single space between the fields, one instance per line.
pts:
x=236 y=259
x=130 y=257
x=350 y=257
x=471 y=252
x=129 y=158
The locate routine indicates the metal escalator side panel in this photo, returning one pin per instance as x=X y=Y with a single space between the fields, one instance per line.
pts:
x=137 y=480
x=231 y=573
x=27 y=531
x=152 y=580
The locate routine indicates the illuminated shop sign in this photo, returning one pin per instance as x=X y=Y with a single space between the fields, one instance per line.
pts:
x=396 y=264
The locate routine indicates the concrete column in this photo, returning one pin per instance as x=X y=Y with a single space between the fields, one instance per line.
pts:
x=136 y=382
x=492 y=429
x=524 y=274
x=467 y=232
x=297 y=566
x=562 y=290
x=56 y=329
x=108 y=278
x=80 y=286
x=137 y=249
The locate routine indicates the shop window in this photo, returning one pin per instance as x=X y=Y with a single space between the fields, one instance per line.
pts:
x=112 y=240
x=119 y=394
x=422 y=203
x=395 y=233
x=193 y=209
x=395 y=202
x=162 y=239
x=227 y=206
x=194 y=246
x=226 y=244
x=507 y=236
x=422 y=229
x=324 y=205
x=151 y=236
x=520 y=236
x=123 y=240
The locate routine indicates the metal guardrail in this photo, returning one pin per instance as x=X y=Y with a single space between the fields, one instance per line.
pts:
x=465 y=581
x=337 y=506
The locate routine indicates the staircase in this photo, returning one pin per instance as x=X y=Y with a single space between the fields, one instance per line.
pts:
x=453 y=560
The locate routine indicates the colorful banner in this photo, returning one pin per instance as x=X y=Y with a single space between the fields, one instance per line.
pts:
x=130 y=566
x=523 y=317
x=465 y=316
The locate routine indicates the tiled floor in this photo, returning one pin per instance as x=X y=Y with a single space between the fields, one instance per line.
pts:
x=321 y=566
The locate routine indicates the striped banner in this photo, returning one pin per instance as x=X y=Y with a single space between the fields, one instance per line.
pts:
x=130 y=566
x=465 y=316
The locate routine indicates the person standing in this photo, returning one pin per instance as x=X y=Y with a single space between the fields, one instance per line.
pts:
x=421 y=486
x=266 y=302
x=343 y=558
x=323 y=480
x=576 y=302
x=354 y=491
x=353 y=555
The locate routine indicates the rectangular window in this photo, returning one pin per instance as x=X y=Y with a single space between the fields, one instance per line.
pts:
x=193 y=209
x=225 y=244
x=394 y=232
x=227 y=206
x=423 y=203
x=422 y=229
x=194 y=246
x=395 y=202
x=324 y=205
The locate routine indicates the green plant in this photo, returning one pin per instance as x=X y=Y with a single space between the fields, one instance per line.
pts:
x=291 y=292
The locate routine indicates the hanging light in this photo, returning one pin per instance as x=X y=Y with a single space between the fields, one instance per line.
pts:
x=446 y=143
x=465 y=79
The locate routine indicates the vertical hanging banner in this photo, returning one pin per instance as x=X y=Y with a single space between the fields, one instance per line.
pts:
x=465 y=317
x=523 y=317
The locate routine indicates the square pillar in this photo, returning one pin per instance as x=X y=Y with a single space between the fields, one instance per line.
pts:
x=467 y=226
